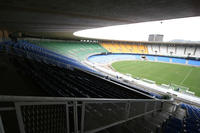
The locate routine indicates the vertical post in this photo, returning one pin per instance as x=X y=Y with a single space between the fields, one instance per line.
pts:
x=67 y=117
x=155 y=108
x=75 y=117
x=1 y=126
x=155 y=105
x=127 y=110
x=83 y=117
x=19 y=118
x=161 y=106
x=173 y=108
x=145 y=109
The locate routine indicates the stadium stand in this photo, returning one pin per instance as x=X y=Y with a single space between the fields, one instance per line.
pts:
x=191 y=123
x=163 y=59
x=48 y=87
x=152 y=49
x=190 y=50
x=155 y=49
x=163 y=49
x=75 y=50
x=197 y=52
x=142 y=49
x=44 y=65
x=151 y=58
x=178 y=60
x=61 y=76
x=171 y=50
x=193 y=62
x=180 y=50
x=125 y=48
x=173 y=125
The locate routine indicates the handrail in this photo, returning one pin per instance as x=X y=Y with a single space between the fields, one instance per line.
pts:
x=59 y=99
x=149 y=106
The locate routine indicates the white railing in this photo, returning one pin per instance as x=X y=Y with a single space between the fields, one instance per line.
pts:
x=76 y=114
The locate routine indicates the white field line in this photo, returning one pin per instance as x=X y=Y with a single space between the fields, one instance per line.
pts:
x=186 y=76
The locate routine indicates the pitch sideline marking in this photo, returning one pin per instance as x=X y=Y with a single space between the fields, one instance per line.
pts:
x=186 y=76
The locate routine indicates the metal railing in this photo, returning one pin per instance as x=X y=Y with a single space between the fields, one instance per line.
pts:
x=88 y=115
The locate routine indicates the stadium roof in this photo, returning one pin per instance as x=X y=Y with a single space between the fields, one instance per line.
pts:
x=60 y=18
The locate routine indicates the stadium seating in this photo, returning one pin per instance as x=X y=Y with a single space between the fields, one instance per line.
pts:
x=178 y=60
x=75 y=50
x=43 y=52
x=193 y=62
x=151 y=58
x=173 y=125
x=171 y=50
x=192 y=120
x=50 y=57
x=190 y=50
x=189 y=124
x=51 y=70
x=62 y=76
x=163 y=50
x=125 y=48
x=197 y=52
x=153 y=49
x=163 y=59
x=180 y=51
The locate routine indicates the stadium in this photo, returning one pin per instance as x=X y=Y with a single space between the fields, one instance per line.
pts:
x=54 y=82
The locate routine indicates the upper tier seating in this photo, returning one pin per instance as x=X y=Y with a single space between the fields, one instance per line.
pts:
x=180 y=50
x=197 y=52
x=154 y=49
x=125 y=48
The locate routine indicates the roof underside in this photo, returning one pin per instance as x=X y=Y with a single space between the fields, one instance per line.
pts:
x=60 y=18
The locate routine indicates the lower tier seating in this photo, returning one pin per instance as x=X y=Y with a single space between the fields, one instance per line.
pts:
x=192 y=120
x=72 y=82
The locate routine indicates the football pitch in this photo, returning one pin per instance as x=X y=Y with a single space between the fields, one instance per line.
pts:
x=162 y=73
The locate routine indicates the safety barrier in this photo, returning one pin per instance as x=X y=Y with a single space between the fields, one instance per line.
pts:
x=50 y=114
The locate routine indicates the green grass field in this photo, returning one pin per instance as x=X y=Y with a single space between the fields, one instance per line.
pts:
x=162 y=73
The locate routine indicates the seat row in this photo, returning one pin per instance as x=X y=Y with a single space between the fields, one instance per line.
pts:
x=52 y=70
x=192 y=120
x=172 y=125
x=31 y=51
x=74 y=83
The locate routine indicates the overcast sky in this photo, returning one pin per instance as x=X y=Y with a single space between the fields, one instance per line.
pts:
x=184 y=28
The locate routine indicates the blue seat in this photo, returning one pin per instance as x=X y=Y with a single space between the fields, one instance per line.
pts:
x=163 y=59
